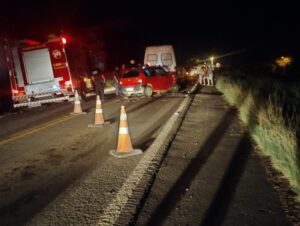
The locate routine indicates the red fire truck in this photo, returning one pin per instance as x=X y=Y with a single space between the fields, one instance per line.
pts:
x=50 y=71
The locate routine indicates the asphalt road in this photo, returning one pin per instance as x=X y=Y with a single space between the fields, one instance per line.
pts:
x=211 y=175
x=45 y=150
x=54 y=170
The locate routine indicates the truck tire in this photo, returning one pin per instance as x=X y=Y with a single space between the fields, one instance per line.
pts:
x=148 y=92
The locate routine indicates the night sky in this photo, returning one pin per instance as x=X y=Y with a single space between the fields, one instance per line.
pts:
x=195 y=28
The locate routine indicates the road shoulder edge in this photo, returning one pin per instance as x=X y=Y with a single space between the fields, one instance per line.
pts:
x=125 y=206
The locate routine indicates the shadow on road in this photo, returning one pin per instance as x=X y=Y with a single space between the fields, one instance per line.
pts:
x=218 y=209
x=178 y=189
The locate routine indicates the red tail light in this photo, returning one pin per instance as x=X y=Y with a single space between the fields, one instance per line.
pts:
x=15 y=91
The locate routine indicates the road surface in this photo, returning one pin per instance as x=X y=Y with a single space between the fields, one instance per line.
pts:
x=211 y=175
x=198 y=167
x=45 y=150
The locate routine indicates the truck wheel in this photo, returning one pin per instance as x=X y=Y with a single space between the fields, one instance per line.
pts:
x=175 y=88
x=148 y=91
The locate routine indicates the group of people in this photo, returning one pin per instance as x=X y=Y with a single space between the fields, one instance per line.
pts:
x=206 y=76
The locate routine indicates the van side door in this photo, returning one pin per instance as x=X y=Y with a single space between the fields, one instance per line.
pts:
x=162 y=79
x=151 y=78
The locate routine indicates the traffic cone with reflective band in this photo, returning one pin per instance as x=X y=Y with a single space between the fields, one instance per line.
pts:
x=77 y=105
x=99 y=120
x=124 y=148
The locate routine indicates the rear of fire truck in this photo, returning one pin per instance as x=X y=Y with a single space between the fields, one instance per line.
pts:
x=45 y=72
x=38 y=72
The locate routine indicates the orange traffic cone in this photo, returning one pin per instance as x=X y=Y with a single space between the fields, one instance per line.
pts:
x=77 y=105
x=99 y=120
x=124 y=148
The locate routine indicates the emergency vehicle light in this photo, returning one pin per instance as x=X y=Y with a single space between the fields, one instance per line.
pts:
x=64 y=40
x=15 y=91
x=67 y=83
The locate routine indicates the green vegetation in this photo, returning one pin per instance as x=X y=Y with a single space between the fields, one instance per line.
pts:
x=270 y=108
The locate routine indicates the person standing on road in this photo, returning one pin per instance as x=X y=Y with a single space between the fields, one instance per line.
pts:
x=82 y=88
x=207 y=77
x=201 y=74
x=210 y=77
x=117 y=82
x=99 y=81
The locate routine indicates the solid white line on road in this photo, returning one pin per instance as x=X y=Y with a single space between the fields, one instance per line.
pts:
x=114 y=209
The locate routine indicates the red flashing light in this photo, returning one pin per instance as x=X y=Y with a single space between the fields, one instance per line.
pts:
x=31 y=42
x=64 y=40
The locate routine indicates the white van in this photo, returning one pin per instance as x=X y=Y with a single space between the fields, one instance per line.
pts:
x=162 y=55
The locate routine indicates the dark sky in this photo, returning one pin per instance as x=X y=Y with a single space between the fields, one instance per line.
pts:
x=195 y=28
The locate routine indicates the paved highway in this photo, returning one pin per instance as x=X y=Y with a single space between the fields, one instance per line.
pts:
x=45 y=150
x=198 y=166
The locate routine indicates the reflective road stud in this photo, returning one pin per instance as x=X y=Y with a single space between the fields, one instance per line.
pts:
x=124 y=148
x=77 y=105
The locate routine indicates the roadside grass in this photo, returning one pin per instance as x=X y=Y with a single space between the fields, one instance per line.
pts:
x=271 y=111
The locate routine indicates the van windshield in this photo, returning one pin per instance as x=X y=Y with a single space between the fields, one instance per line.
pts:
x=160 y=71
x=149 y=72
x=130 y=74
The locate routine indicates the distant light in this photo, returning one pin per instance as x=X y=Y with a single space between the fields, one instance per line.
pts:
x=284 y=61
x=212 y=62
x=197 y=60
x=132 y=61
